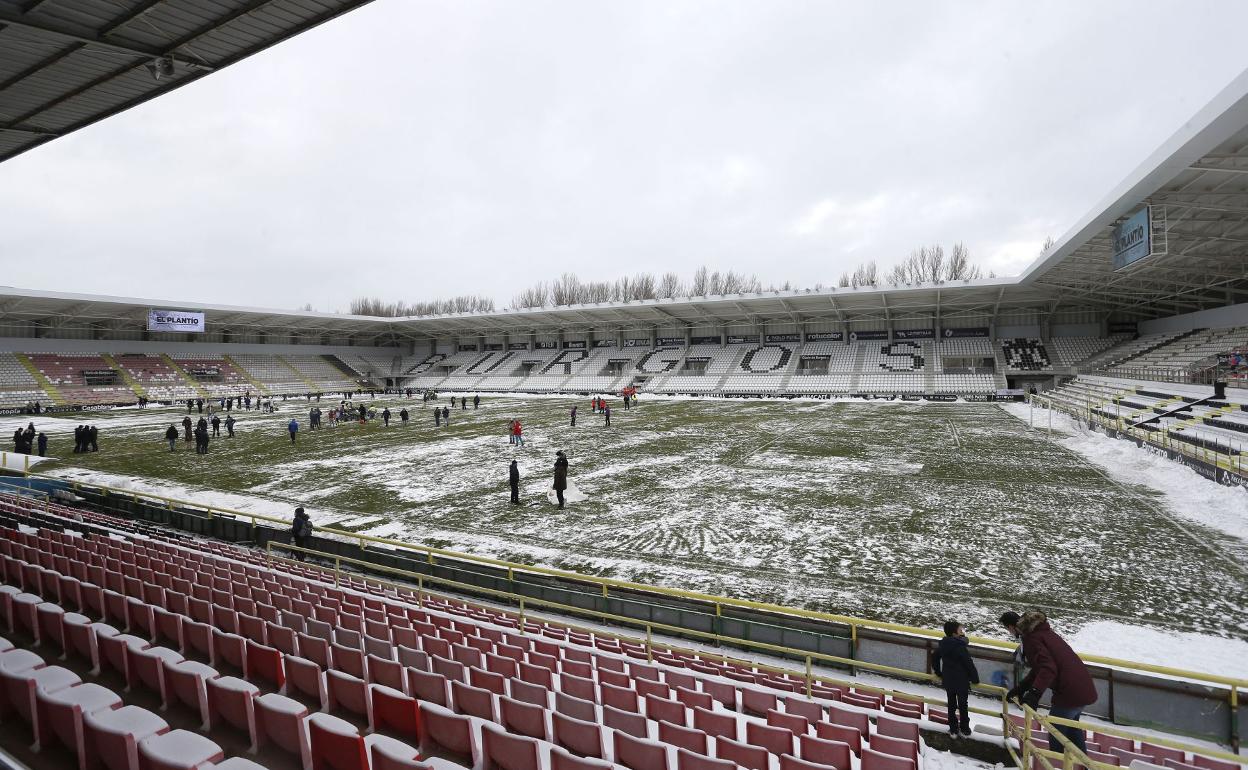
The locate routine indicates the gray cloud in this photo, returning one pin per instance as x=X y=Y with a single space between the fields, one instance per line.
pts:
x=421 y=149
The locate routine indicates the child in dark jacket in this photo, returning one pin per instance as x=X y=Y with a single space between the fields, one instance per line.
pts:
x=953 y=664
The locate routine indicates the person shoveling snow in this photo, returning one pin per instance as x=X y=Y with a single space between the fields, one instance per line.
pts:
x=561 y=492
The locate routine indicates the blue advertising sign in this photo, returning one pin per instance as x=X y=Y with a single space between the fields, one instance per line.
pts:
x=1132 y=239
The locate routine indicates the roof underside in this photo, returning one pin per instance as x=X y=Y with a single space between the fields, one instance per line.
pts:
x=1202 y=222
x=64 y=64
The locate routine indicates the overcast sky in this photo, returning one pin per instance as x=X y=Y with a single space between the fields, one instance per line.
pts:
x=413 y=150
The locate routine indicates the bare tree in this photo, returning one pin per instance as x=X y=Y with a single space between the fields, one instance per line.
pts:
x=959 y=267
x=536 y=295
x=701 y=283
x=866 y=274
x=670 y=286
x=843 y=281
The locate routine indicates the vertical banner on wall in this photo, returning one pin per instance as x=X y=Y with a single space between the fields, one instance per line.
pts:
x=1132 y=238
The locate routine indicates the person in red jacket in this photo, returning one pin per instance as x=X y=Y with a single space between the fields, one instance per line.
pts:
x=1054 y=666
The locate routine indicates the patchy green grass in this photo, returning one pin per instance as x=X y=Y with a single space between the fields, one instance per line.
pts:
x=906 y=512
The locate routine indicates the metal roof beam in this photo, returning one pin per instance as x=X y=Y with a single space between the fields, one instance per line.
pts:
x=29 y=130
x=88 y=36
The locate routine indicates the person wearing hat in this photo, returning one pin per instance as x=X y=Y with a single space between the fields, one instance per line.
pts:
x=513 y=480
x=561 y=475
x=1054 y=666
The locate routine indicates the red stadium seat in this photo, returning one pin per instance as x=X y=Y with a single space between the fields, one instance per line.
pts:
x=639 y=753
x=854 y=719
x=689 y=738
x=281 y=721
x=388 y=754
x=757 y=701
x=578 y=687
x=112 y=650
x=410 y=657
x=304 y=679
x=335 y=744
x=833 y=753
x=625 y=722
x=842 y=733
x=428 y=687
x=580 y=736
x=178 y=750
x=112 y=736
x=265 y=663
x=715 y=723
x=229 y=649
x=522 y=718
x=794 y=723
x=749 y=757
x=230 y=702
x=777 y=740
x=687 y=760
x=721 y=691
x=790 y=762
x=49 y=618
x=504 y=751
x=619 y=697
x=812 y=711
x=874 y=760
x=691 y=698
x=20 y=684
x=197 y=639
x=575 y=707
x=666 y=710
x=898 y=747
x=473 y=701
x=447 y=732
x=349 y=660
x=486 y=680
x=562 y=760
x=348 y=693
x=80 y=637
x=146 y=667
x=525 y=692
x=61 y=714
x=897 y=729
x=184 y=683
x=395 y=713
x=315 y=649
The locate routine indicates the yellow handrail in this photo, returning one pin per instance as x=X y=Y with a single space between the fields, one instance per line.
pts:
x=718 y=601
x=649 y=626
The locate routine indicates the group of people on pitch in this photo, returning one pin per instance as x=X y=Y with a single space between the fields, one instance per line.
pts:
x=1053 y=666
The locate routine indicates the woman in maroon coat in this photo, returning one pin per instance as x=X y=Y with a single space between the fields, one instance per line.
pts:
x=1054 y=666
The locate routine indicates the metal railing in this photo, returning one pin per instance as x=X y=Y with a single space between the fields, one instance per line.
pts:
x=1231 y=460
x=605 y=585
x=1023 y=754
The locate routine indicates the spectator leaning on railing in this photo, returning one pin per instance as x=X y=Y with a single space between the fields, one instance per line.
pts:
x=1054 y=665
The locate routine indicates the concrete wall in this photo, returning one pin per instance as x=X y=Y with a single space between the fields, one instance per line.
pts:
x=1217 y=318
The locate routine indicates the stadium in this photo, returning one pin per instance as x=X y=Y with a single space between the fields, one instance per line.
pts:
x=755 y=559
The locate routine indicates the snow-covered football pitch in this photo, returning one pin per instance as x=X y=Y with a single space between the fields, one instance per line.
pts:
x=908 y=512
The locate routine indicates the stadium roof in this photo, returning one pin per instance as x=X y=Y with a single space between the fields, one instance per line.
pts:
x=1196 y=184
x=67 y=63
x=64 y=64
